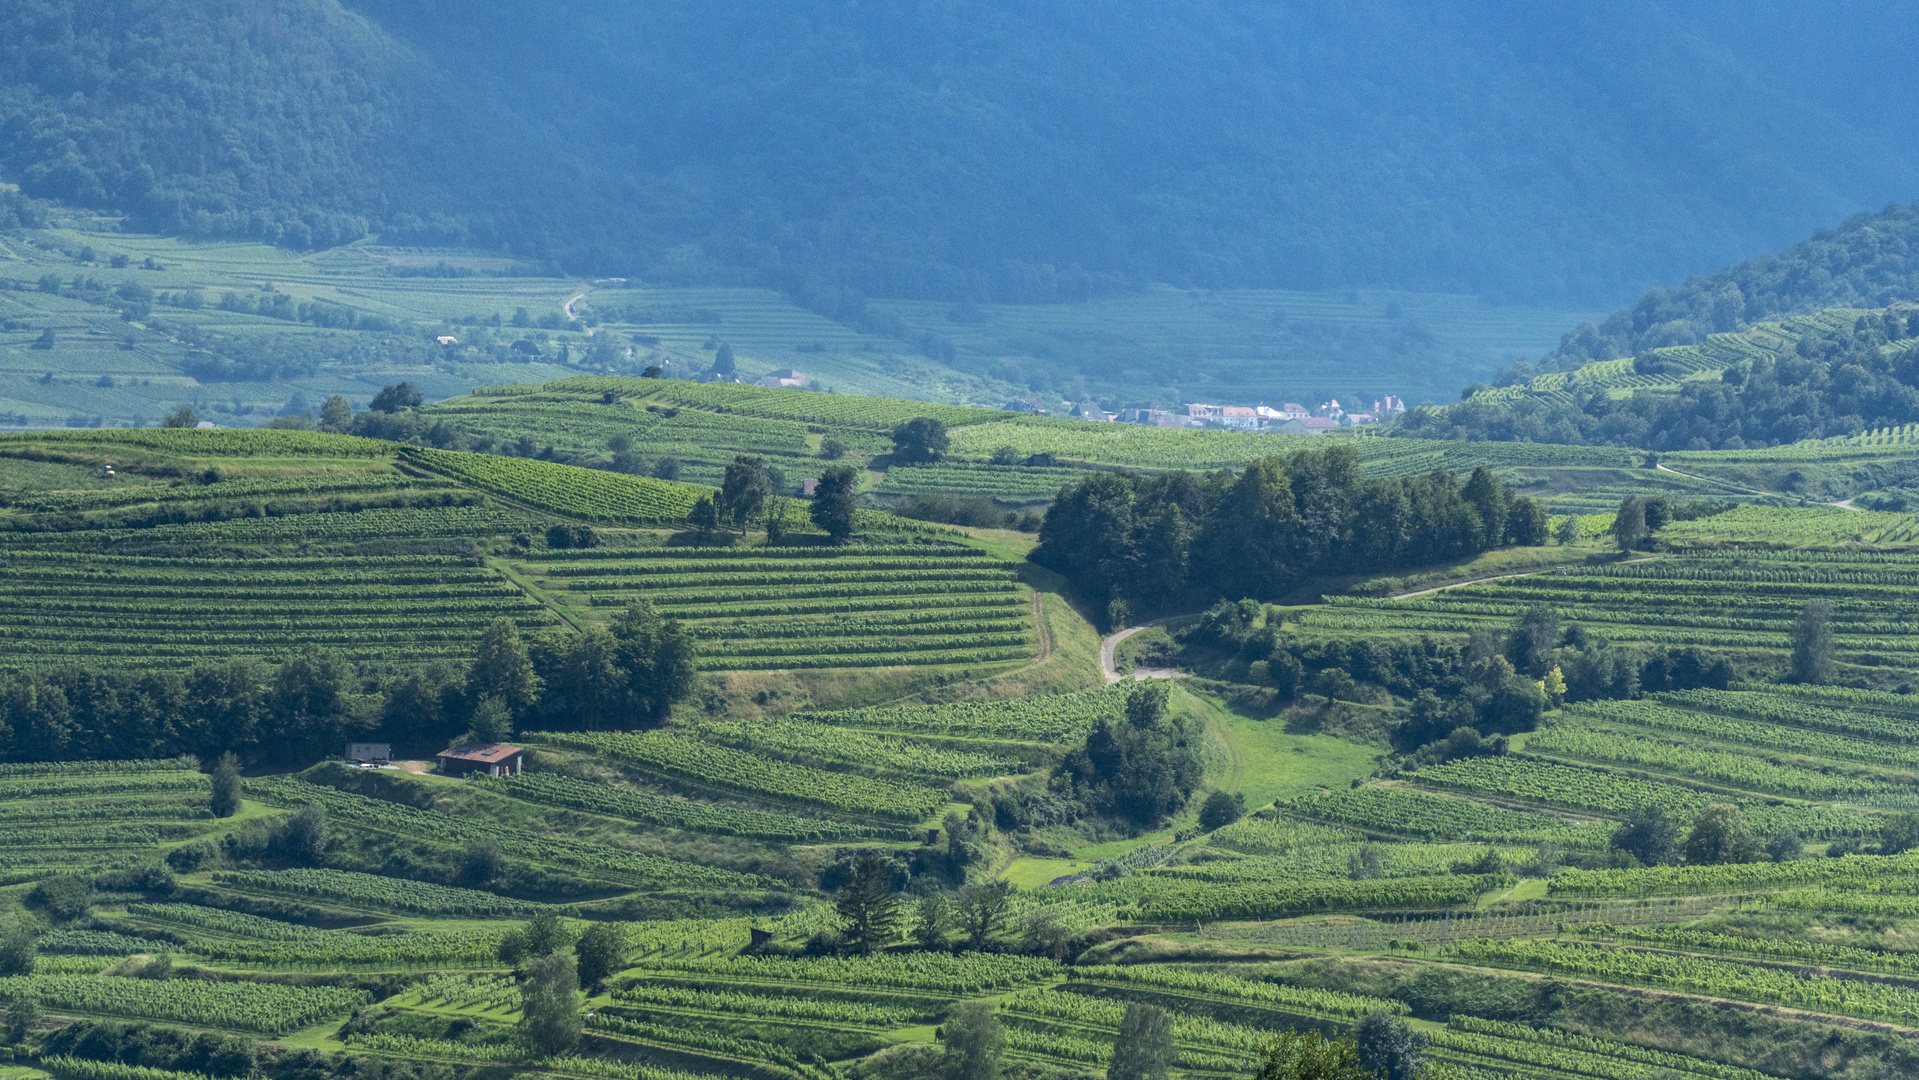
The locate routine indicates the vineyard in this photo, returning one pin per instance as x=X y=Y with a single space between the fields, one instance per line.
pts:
x=704 y=868
x=1742 y=602
x=761 y=608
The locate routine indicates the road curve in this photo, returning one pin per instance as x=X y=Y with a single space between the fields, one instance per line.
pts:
x=568 y=308
x=1109 y=645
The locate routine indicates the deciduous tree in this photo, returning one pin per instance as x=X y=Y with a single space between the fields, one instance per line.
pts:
x=1144 y=1049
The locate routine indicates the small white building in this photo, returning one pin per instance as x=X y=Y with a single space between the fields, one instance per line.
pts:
x=369 y=753
x=785 y=377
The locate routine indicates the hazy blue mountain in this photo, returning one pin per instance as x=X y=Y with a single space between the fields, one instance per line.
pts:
x=971 y=149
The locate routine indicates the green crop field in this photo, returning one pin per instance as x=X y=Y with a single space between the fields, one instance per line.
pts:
x=924 y=702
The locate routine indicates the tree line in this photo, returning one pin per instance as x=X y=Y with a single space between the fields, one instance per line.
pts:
x=1141 y=544
x=628 y=674
x=1832 y=383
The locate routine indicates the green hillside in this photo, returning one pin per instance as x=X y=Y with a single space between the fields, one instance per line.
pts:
x=800 y=809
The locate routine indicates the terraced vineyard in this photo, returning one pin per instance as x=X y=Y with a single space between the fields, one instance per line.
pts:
x=1740 y=603
x=760 y=608
x=703 y=864
x=56 y=607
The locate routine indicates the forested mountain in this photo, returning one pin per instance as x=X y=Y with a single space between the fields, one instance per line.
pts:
x=1870 y=261
x=973 y=149
x=1841 y=374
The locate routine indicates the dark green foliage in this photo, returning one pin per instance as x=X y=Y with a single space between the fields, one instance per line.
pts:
x=1532 y=641
x=1221 y=809
x=1385 y=177
x=226 y=786
x=17 y=952
x=832 y=507
x=601 y=951
x=572 y=536
x=1813 y=651
x=933 y=920
x=482 y=864
x=392 y=399
x=63 y=897
x=1785 y=847
x=182 y=417
x=1139 y=769
x=207 y=1053
x=543 y=935
x=1830 y=383
x=624 y=676
x=502 y=668
x=1719 y=835
x=1899 y=834
x=23 y=1014
x=491 y=722
x=1390 y=1048
x=920 y=441
x=1648 y=834
x=1171 y=540
x=706 y=515
x=867 y=905
x=974 y=1042
x=550 y=1010
x=982 y=910
x=1144 y=1049
x=1629 y=523
x=744 y=490
x=303 y=836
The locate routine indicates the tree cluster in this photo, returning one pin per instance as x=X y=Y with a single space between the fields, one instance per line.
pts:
x=1139 y=769
x=623 y=676
x=1163 y=542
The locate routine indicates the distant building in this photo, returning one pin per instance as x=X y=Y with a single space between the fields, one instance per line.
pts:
x=1238 y=418
x=1197 y=411
x=369 y=753
x=785 y=377
x=1091 y=410
x=1025 y=405
x=487 y=759
x=715 y=376
x=808 y=485
x=1293 y=410
x=1151 y=418
x=206 y=425
x=447 y=339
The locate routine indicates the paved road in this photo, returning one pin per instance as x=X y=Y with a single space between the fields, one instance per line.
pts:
x=1110 y=643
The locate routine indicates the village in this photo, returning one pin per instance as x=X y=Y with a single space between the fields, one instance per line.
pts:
x=1290 y=418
